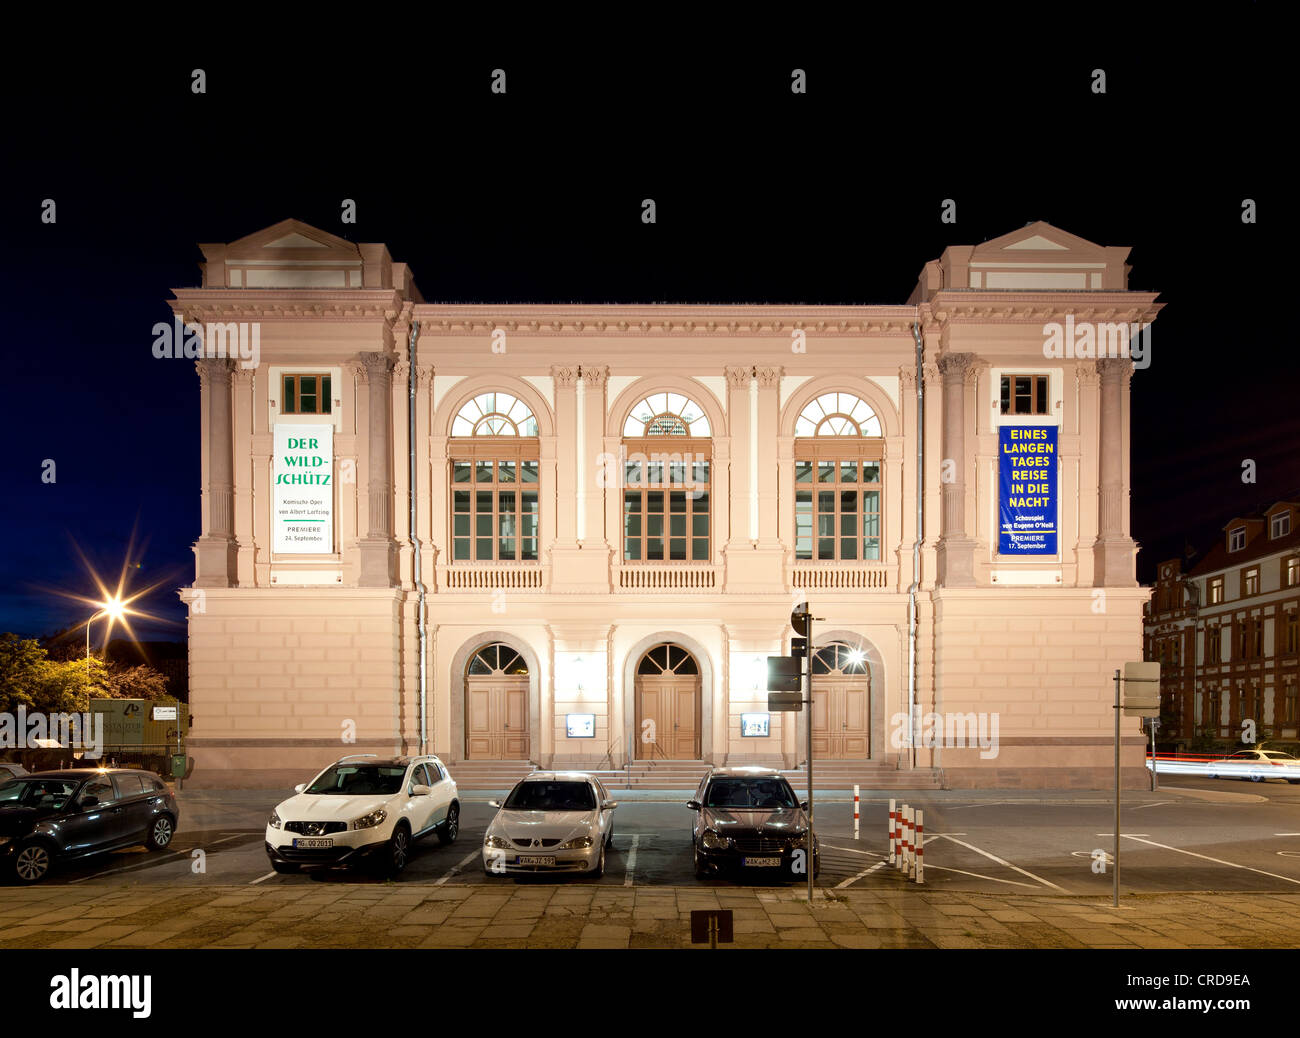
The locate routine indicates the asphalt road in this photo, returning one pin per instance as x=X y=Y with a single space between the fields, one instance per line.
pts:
x=1194 y=835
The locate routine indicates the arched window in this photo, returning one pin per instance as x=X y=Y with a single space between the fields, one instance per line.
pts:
x=494 y=453
x=667 y=659
x=839 y=658
x=839 y=448
x=666 y=501
x=497 y=658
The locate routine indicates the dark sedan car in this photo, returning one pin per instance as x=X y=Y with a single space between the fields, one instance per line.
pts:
x=750 y=818
x=53 y=816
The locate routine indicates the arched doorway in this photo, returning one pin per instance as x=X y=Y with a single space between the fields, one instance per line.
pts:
x=668 y=704
x=841 y=708
x=496 y=704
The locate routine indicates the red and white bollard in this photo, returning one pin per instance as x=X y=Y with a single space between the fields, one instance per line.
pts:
x=918 y=873
x=893 y=833
x=855 y=812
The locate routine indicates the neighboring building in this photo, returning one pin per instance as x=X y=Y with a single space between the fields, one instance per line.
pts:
x=1227 y=635
x=615 y=507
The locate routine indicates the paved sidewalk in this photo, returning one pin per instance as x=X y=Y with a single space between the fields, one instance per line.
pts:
x=535 y=915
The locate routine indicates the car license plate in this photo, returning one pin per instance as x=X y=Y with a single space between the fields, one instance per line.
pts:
x=534 y=859
x=761 y=863
x=312 y=845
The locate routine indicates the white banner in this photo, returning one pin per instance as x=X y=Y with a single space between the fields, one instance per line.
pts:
x=303 y=490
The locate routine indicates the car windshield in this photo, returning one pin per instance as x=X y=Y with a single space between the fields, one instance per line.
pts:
x=750 y=793
x=551 y=796
x=48 y=794
x=352 y=780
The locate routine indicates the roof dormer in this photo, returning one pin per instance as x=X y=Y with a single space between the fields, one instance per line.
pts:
x=1241 y=531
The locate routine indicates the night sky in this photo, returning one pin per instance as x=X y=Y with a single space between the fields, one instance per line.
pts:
x=762 y=196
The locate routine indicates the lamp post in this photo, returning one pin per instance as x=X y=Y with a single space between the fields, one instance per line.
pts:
x=114 y=610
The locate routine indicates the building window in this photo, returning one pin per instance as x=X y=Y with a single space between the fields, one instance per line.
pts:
x=1288 y=701
x=1291 y=571
x=666 y=499
x=1216 y=591
x=1280 y=525
x=305 y=394
x=1252 y=639
x=838 y=490
x=1250 y=582
x=1024 y=394
x=1214 y=645
x=1237 y=539
x=1291 y=632
x=494 y=481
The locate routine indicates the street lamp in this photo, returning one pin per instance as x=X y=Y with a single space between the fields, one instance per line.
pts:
x=115 y=610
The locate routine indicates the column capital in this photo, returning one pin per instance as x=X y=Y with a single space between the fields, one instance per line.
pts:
x=738 y=377
x=594 y=375
x=214 y=369
x=377 y=365
x=565 y=375
x=1114 y=369
x=769 y=377
x=959 y=367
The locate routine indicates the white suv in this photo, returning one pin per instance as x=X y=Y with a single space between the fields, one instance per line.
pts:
x=364 y=809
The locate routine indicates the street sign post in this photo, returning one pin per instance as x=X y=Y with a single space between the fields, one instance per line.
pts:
x=1143 y=700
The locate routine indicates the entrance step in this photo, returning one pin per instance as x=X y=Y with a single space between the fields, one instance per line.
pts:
x=489 y=774
x=844 y=775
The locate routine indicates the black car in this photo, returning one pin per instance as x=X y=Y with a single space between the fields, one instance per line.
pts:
x=53 y=816
x=750 y=818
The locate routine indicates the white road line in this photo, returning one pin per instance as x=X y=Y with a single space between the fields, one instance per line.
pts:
x=852 y=850
x=1286 y=834
x=631 y=861
x=457 y=867
x=1112 y=835
x=976 y=875
x=127 y=868
x=861 y=875
x=263 y=879
x=1003 y=862
x=1217 y=861
x=1158 y=803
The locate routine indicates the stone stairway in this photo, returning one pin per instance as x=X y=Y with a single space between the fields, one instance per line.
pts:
x=489 y=774
x=843 y=775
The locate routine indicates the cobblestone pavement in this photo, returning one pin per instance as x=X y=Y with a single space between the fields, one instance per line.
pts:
x=531 y=915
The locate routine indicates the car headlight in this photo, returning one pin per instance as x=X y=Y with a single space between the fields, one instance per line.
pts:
x=274 y=821
x=371 y=820
x=497 y=841
x=578 y=843
x=713 y=842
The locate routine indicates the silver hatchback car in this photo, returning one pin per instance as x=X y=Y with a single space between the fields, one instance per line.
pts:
x=552 y=821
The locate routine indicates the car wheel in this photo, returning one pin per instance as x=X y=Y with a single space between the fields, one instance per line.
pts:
x=1256 y=776
x=701 y=867
x=284 y=867
x=33 y=862
x=450 y=828
x=1212 y=774
x=160 y=833
x=599 y=870
x=399 y=848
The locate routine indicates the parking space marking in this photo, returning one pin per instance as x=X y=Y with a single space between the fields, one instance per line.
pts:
x=263 y=879
x=1001 y=861
x=457 y=867
x=1217 y=861
x=631 y=861
x=861 y=875
x=1158 y=803
x=992 y=879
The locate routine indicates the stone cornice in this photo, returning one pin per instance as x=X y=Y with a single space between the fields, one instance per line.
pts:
x=641 y=319
x=974 y=306
x=225 y=304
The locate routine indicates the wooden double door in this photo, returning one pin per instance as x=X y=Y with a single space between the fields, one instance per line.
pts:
x=841 y=718
x=496 y=717
x=668 y=717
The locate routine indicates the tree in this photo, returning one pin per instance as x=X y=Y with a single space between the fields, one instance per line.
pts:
x=29 y=678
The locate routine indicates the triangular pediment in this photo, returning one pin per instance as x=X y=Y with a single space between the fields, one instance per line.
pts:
x=1039 y=237
x=293 y=236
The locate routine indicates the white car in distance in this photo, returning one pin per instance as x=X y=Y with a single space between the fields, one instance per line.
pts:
x=364 y=810
x=552 y=821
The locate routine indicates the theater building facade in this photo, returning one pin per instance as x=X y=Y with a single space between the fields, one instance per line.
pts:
x=570 y=535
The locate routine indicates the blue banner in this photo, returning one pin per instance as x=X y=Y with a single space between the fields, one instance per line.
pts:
x=1027 y=484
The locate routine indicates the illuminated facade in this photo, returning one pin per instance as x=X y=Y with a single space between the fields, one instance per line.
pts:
x=605 y=513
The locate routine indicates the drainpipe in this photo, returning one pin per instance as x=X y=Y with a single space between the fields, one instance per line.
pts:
x=415 y=541
x=916 y=546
